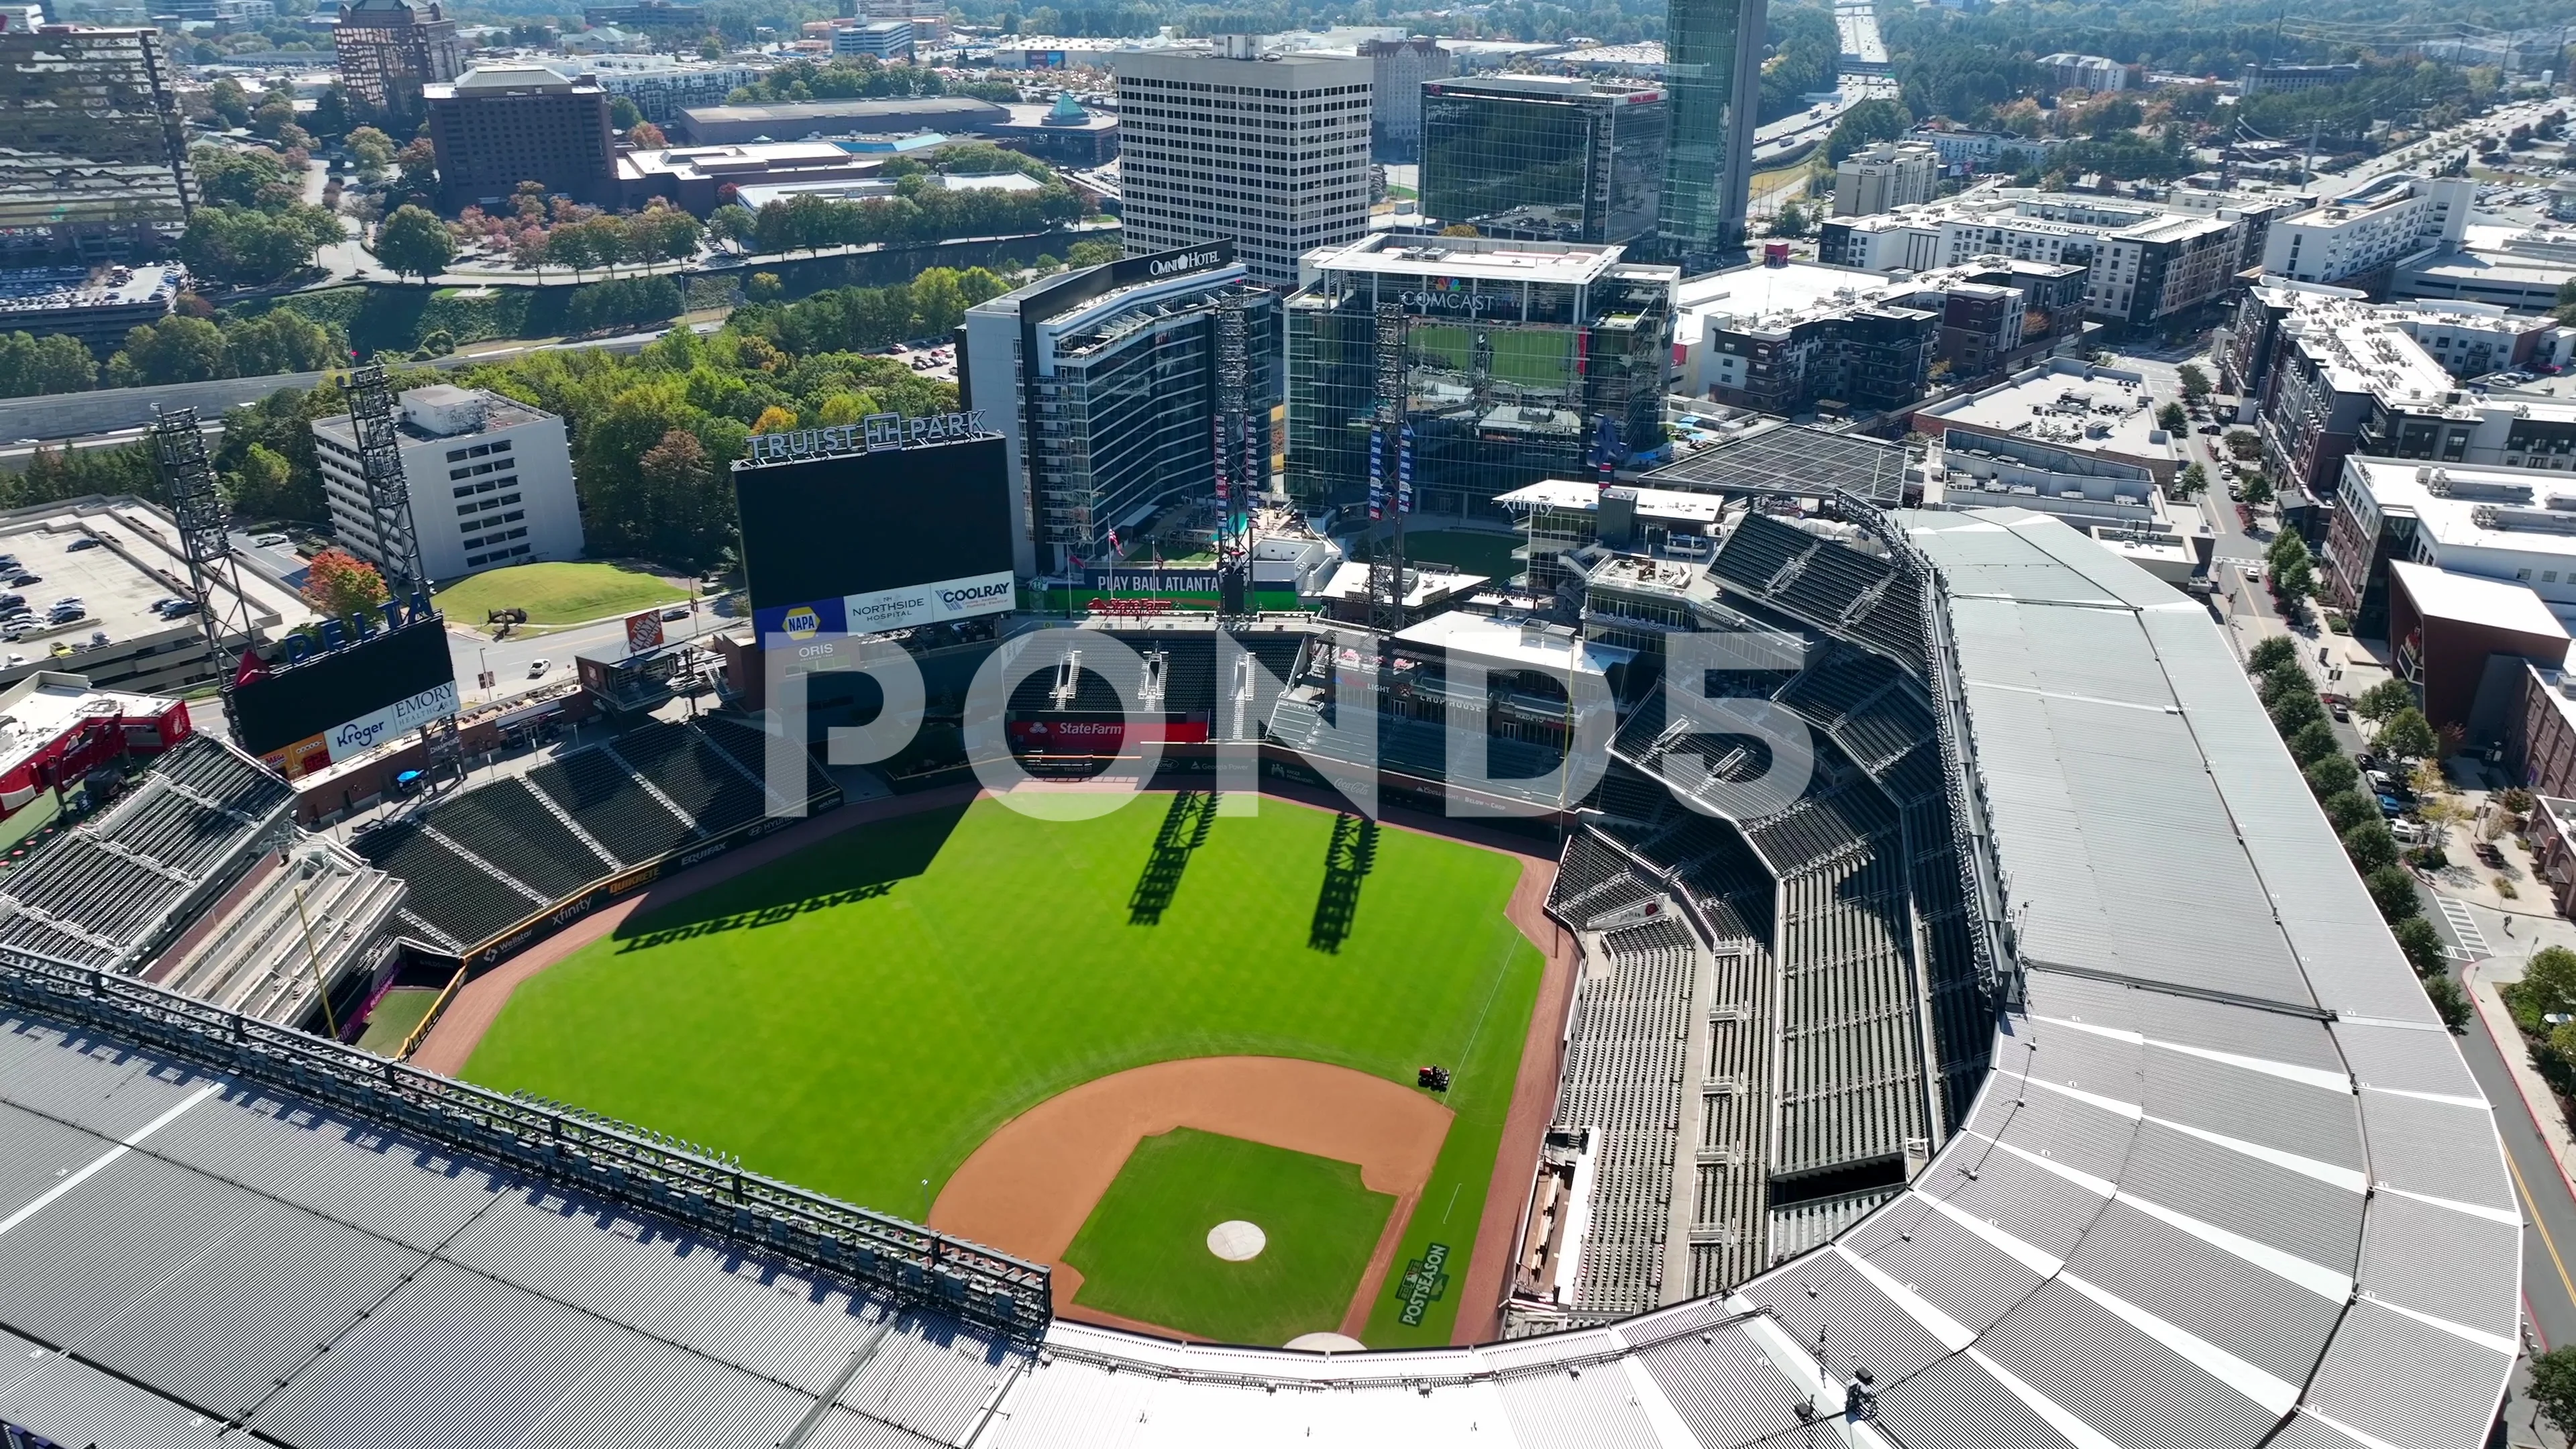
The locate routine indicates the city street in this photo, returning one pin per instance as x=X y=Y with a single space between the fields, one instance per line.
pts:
x=509 y=659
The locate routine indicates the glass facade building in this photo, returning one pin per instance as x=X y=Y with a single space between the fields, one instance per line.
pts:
x=93 y=156
x=1713 y=85
x=1522 y=361
x=1543 y=158
x=1104 y=383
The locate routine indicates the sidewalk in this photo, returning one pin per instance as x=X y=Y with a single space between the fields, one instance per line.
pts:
x=2536 y=1096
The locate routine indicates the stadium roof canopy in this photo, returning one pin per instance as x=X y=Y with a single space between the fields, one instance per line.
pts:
x=2229 y=1183
x=1793 y=459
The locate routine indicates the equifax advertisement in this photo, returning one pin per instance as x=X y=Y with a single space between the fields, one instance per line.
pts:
x=347 y=741
x=908 y=607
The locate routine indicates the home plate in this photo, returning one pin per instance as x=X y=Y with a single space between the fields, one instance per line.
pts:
x=1326 y=1343
x=1237 y=1241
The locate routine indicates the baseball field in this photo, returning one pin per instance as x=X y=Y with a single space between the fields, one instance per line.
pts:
x=1171 y=1050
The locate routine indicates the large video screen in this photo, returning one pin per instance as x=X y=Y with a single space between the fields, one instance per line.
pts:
x=344 y=702
x=863 y=542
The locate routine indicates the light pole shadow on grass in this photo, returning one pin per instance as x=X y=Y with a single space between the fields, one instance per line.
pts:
x=1348 y=858
x=1186 y=823
x=856 y=865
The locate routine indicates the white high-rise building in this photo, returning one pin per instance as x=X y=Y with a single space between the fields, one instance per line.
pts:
x=1884 y=177
x=1270 y=153
x=490 y=481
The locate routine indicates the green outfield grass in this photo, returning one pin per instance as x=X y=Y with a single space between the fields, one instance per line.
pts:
x=1144 y=1251
x=1489 y=554
x=861 y=1016
x=1531 y=358
x=558 y=593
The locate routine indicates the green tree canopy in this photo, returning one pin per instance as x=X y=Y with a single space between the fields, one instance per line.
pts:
x=2407 y=736
x=415 y=242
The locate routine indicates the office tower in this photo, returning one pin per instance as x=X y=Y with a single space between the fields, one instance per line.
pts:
x=1523 y=361
x=1713 y=84
x=1544 y=158
x=1401 y=66
x=93 y=162
x=490 y=479
x=389 y=49
x=1270 y=153
x=499 y=125
x=1103 y=383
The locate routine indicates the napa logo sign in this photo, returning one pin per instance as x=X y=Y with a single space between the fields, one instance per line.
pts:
x=800 y=623
x=909 y=607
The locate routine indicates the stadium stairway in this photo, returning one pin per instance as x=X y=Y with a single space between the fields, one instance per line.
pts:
x=320 y=915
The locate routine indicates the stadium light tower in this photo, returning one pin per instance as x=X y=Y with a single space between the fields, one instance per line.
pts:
x=377 y=431
x=1390 y=443
x=214 y=581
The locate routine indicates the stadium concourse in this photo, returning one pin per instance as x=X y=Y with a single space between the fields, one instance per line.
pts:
x=2060 y=1087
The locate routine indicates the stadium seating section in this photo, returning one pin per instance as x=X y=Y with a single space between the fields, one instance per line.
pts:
x=482 y=861
x=107 y=893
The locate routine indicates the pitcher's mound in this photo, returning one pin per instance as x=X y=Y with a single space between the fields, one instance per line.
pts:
x=1237 y=1241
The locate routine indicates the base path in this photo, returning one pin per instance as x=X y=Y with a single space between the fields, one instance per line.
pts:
x=1032 y=1184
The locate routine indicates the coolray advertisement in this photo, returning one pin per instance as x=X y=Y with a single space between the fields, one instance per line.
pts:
x=863 y=542
x=344 y=702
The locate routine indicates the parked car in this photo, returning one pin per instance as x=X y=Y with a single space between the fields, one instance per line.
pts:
x=2410 y=832
x=268 y=540
x=2340 y=710
x=2391 y=806
x=2488 y=855
x=2212 y=429
x=86 y=540
x=676 y=611
x=22 y=579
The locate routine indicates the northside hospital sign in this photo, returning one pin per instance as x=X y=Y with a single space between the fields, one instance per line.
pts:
x=875 y=433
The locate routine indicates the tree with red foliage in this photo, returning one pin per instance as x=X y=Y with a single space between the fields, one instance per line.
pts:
x=339 y=585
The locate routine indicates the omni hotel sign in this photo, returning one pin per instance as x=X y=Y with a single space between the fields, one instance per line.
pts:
x=875 y=433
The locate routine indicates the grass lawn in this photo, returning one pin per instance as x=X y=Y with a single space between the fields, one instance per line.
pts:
x=397 y=1013
x=861 y=1016
x=1144 y=1251
x=1489 y=554
x=558 y=593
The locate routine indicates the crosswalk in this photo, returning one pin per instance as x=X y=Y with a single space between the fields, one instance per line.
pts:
x=2464 y=929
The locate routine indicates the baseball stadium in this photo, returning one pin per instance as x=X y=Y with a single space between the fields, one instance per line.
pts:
x=1272 y=1028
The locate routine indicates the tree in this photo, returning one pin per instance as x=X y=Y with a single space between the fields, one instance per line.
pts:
x=2194 y=480
x=174 y=349
x=1460 y=229
x=774 y=420
x=2195 y=383
x=2271 y=652
x=2448 y=1003
x=1865 y=124
x=1793 y=221
x=2256 y=489
x=419 y=163
x=259 y=487
x=32 y=366
x=2332 y=775
x=415 y=243
x=2280 y=682
x=230 y=177
x=2171 y=418
x=2314 y=741
x=2548 y=986
x=373 y=149
x=339 y=585
x=2392 y=889
x=2371 y=847
x=2443 y=812
x=2287 y=549
x=730 y=224
x=711 y=48
x=2406 y=736
x=2296 y=583
x=2348 y=808
x=2384 y=699
x=646 y=136
x=253 y=246
x=2422 y=945
x=624 y=114
x=230 y=102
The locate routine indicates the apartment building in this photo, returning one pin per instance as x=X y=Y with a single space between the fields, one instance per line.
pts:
x=2360 y=237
